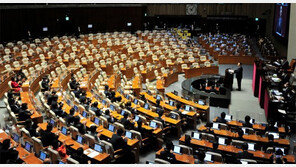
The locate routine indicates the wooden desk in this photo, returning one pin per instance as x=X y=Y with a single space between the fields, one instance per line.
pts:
x=181 y=158
x=170 y=78
x=193 y=72
x=188 y=102
x=231 y=59
x=25 y=98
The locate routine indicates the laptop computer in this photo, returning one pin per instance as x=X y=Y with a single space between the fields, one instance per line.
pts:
x=216 y=126
x=195 y=135
x=79 y=139
x=28 y=146
x=279 y=148
x=129 y=134
x=64 y=130
x=275 y=135
x=221 y=141
x=122 y=112
x=187 y=108
x=16 y=137
x=137 y=118
x=52 y=122
x=208 y=157
x=171 y=103
x=97 y=121
x=146 y=106
x=177 y=149
x=111 y=128
x=153 y=124
x=84 y=114
x=136 y=101
x=112 y=107
x=42 y=155
x=251 y=146
x=98 y=148
x=228 y=117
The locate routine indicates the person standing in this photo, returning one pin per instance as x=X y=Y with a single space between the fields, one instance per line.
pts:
x=239 y=75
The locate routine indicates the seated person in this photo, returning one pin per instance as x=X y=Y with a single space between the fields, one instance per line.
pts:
x=60 y=148
x=94 y=107
x=81 y=128
x=160 y=114
x=51 y=97
x=177 y=110
x=106 y=91
x=57 y=108
x=15 y=85
x=200 y=158
x=47 y=137
x=109 y=117
x=117 y=141
x=70 y=117
x=245 y=154
x=247 y=122
x=80 y=157
x=73 y=83
x=32 y=129
x=128 y=106
x=24 y=113
x=45 y=84
x=7 y=152
x=221 y=119
x=167 y=154
x=125 y=121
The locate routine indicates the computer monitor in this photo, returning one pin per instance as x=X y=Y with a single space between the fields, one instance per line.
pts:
x=84 y=114
x=201 y=102
x=79 y=139
x=153 y=124
x=208 y=157
x=104 y=102
x=16 y=137
x=98 y=148
x=127 y=96
x=146 y=106
x=75 y=107
x=174 y=116
x=175 y=92
x=52 y=122
x=112 y=107
x=122 y=112
x=64 y=130
x=28 y=146
x=177 y=149
x=137 y=118
x=186 y=97
x=275 y=135
x=158 y=97
x=195 y=135
x=221 y=141
x=97 y=121
x=128 y=134
x=252 y=121
x=42 y=155
x=228 y=117
x=251 y=146
x=69 y=102
x=111 y=128
x=215 y=126
x=172 y=103
x=136 y=101
x=187 y=108
x=279 y=148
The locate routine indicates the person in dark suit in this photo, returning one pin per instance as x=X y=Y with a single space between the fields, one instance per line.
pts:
x=109 y=117
x=239 y=75
x=7 y=152
x=47 y=137
x=24 y=113
x=245 y=154
x=94 y=107
x=29 y=127
x=45 y=84
x=80 y=157
x=73 y=83
x=201 y=157
x=51 y=97
x=285 y=64
x=144 y=133
x=177 y=110
x=70 y=117
x=160 y=113
x=128 y=106
x=125 y=121
x=117 y=141
x=247 y=122
x=167 y=153
x=221 y=119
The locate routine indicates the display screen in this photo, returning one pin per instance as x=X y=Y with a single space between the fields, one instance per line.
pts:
x=281 y=19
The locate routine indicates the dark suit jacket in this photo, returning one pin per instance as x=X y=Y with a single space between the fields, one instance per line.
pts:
x=245 y=155
x=118 y=142
x=239 y=73
x=168 y=156
x=221 y=120
x=47 y=138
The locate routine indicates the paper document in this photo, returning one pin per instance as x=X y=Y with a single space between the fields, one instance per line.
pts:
x=93 y=154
